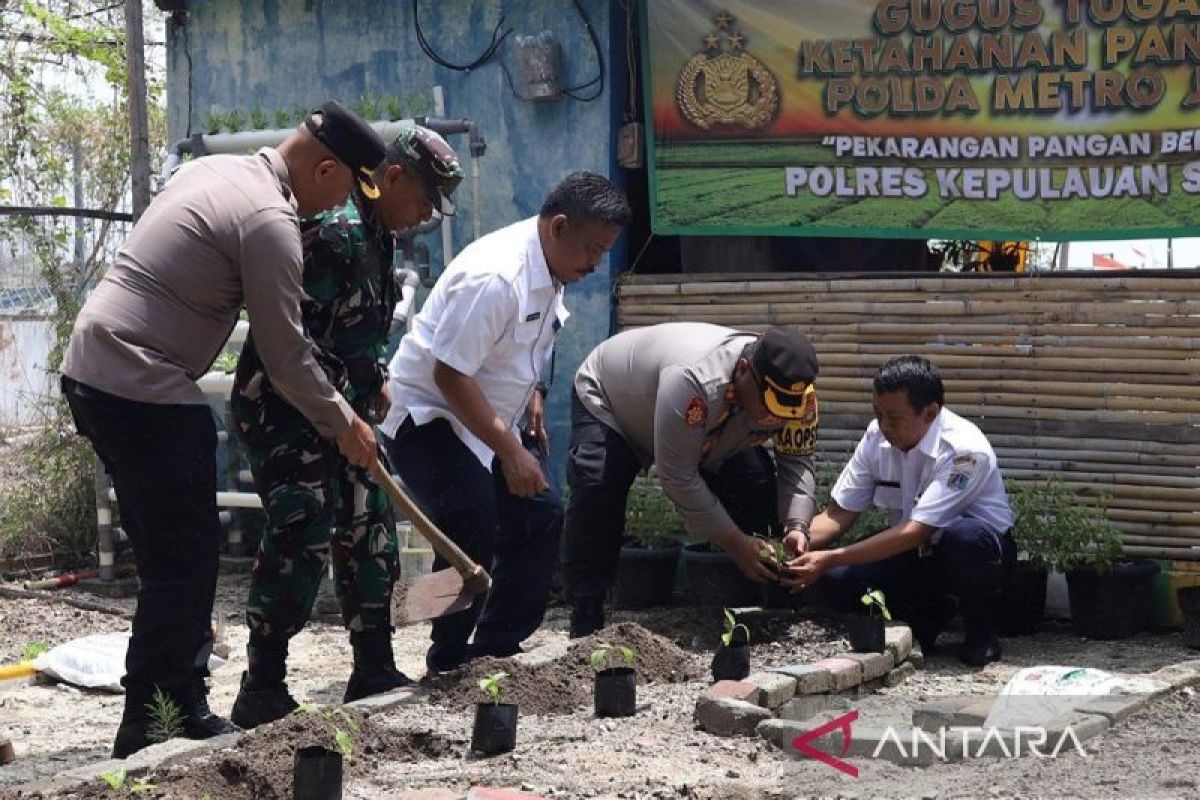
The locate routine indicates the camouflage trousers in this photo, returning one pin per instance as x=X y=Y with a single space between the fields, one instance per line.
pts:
x=317 y=505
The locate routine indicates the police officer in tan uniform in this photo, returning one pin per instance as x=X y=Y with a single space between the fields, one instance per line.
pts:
x=698 y=401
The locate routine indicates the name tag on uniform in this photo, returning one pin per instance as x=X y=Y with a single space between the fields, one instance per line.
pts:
x=534 y=316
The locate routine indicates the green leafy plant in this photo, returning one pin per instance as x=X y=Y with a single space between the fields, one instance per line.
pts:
x=876 y=603
x=118 y=781
x=300 y=112
x=165 y=717
x=732 y=626
x=776 y=554
x=368 y=106
x=394 y=107
x=651 y=520
x=1057 y=532
x=283 y=118
x=226 y=362
x=213 y=121
x=235 y=120
x=490 y=684
x=258 y=119
x=33 y=650
x=339 y=725
x=602 y=656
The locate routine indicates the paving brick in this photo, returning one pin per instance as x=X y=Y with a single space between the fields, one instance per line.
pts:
x=1185 y=673
x=904 y=746
x=378 y=703
x=1083 y=727
x=899 y=675
x=846 y=672
x=733 y=690
x=725 y=717
x=898 y=640
x=1114 y=708
x=774 y=688
x=977 y=742
x=782 y=732
x=874 y=665
x=804 y=707
x=427 y=794
x=973 y=714
x=864 y=689
x=810 y=679
x=917 y=658
x=934 y=715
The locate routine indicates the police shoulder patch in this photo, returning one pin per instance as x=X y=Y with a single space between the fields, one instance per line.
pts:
x=696 y=412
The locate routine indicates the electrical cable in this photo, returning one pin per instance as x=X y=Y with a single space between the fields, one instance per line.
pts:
x=488 y=52
x=570 y=90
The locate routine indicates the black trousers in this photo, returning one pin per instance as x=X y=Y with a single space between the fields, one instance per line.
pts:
x=162 y=460
x=516 y=538
x=601 y=467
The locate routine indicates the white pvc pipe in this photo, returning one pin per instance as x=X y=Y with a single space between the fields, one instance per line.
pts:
x=224 y=499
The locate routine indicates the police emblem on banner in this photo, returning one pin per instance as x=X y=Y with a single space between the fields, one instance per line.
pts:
x=725 y=85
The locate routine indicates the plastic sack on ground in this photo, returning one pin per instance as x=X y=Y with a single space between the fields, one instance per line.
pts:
x=1037 y=695
x=93 y=662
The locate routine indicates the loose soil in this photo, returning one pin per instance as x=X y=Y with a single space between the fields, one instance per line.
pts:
x=563 y=751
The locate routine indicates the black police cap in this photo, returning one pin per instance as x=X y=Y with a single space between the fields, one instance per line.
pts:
x=353 y=141
x=786 y=364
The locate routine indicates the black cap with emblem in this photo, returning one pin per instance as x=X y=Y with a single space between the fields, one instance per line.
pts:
x=351 y=140
x=786 y=365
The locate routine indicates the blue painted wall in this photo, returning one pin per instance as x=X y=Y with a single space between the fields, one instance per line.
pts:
x=274 y=54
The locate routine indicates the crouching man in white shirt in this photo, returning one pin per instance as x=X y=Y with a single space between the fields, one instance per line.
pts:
x=936 y=475
x=461 y=383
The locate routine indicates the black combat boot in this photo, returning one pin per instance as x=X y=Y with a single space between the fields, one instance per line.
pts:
x=587 y=616
x=263 y=696
x=131 y=733
x=374 y=666
x=199 y=722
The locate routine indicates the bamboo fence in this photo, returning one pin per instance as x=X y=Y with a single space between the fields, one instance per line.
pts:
x=1092 y=378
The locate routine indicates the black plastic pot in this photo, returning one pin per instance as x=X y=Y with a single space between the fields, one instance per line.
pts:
x=866 y=633
x=714 y=580
x=1112 y=605
x=1024 y=600
x=495 y=728
x=731 y=663
x=615 y=692
x=317 y=774
x=645 y=576
x=1189 y=606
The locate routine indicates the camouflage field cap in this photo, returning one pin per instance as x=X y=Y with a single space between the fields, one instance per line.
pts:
x=434 y=160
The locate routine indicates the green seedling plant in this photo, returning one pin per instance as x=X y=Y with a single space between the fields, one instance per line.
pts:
x=732 y=626
x=165 y=717
x=602 y=656
x=118 y=781
x=340 y=726
x=775 y=555
x=876 y=603
x=33 y=650
x=1057 y=532
x=213 y=121
x=651 y=520
x=394 y=106
x=490 y=684
x=283 y=118
x=258 y=119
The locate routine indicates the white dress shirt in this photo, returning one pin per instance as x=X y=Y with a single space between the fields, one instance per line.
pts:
x=950 y=474
x=493 y=315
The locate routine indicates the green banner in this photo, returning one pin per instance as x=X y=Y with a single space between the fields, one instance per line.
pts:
x=938 y=119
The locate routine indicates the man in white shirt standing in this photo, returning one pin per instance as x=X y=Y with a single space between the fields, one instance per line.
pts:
x=936 y=475
x=460 y=384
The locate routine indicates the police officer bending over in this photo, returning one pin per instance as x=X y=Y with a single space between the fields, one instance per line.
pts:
x=936 y=475
x=313 y=497
x=698 y=400
x=223 y=233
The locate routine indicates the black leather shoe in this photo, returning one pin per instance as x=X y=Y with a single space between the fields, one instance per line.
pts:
x=979 y=651
x=258 y=704
x=208 y=726
x=445 y=658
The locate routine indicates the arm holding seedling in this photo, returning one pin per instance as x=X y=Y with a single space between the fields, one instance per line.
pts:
x=796 y=485
x=811 y=565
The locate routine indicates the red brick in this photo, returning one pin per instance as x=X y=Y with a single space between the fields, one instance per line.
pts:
x=733 y=690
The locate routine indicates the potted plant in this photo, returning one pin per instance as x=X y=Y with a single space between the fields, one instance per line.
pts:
x=1111 y=597
x=650 y=549
x=866 y=630
x=495 y=728
x=615 y=689
x=317 y=769
x=1036 y=508
x=731 y=662
x=1189 y=606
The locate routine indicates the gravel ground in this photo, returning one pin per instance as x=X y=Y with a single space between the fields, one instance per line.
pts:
x=657 y=753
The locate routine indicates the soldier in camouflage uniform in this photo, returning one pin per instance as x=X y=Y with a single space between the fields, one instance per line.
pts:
x=316 y=501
